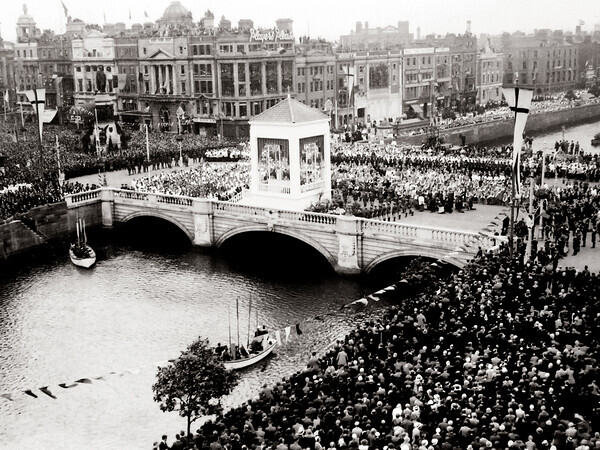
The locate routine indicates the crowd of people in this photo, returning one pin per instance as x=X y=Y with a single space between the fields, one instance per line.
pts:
x=501 y=355
x=32 y=178
x=222 y=181
x=555 y=102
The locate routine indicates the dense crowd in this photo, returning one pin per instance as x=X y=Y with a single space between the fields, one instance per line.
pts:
x=502 y=355
x=221 y=181
x=31 y=179
x=556 y=102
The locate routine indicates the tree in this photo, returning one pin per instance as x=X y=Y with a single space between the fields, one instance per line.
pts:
x=194 y=383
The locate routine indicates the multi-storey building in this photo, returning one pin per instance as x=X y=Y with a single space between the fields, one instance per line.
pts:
x=27 y=70
x=56 y=70
x=7 y=69
x=315 y=75
x=589 y=62
x=543 y=62
x=490 y=72
x=426 y=80
x=94 y=65
x=165 y=78
x=386 y=38
x=126 y=78
x=463 y=69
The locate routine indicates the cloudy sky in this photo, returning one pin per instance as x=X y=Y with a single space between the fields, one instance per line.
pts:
x=326 y=19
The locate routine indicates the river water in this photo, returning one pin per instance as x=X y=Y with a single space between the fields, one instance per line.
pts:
x=139 y=306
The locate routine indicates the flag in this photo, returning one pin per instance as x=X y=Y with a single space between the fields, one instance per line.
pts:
x=519 y=101
x=6 y=97
x=130 y=14
x=288 y=330
x=37 y=98
x=145 y=14
x=581 y=22
x=278 y=336
x=65 y=9
x=104 y=14
x=298 y=330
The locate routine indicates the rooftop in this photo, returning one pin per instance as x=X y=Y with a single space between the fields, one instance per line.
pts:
x=290 y=111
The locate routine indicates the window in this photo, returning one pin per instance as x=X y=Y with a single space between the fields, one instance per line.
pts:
x=227 y=79
x=255 y=78
x=182 y=70
x=206 y=87
x=18 y=53
x=241 y=49
x=144 y=50
x=272 y=77
x=78 y=68
x=241 y=80
x=80 y=85
x=226 y=48
x=146 y=70
x=243 y=109
x=180 y=50
x=147 y=86
x=183 y=87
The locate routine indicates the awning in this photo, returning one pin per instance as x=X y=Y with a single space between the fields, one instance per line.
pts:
x=49 y=115
x=417 y=109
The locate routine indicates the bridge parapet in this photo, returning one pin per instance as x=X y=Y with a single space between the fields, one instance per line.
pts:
x=82 y=198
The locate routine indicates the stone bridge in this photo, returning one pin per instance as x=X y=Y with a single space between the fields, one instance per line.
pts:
x=351 y=244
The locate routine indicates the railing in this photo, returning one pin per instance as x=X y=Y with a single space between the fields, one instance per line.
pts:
x=74 y=199
x=295 y=216
x=174 y=200
x=312 y=186
x=274 y=188
x=131 y=195
x=422 y=232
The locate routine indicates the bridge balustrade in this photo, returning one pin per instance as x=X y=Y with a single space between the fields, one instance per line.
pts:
x=131 y=195
x=389 y=228
x=81 y=197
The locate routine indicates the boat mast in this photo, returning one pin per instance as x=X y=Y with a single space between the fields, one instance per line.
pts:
x=249 y=319
x=229 y=317
x=78 y=233
x=84 y=235
x=237 y=311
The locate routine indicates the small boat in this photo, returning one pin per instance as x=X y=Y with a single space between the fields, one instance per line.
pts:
x=253 y=357
x=596 y=139
x=81 y=254
x=240 y=356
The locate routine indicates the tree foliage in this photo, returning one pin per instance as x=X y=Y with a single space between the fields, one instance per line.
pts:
x=194 y=383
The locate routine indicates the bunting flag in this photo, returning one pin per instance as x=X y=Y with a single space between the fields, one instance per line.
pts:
x=37 y=98
x=288 y=330
x=6 y=97
x=278 y=336
x=519 y=101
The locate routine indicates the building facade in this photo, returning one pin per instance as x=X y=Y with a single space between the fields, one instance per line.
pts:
x=543 y=62
x=490 y=73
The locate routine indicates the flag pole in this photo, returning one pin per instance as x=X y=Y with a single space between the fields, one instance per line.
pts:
x=147 y=144
x=38 y=119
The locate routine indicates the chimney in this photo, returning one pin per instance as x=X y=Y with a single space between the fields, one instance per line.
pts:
x=468 y=27
x=358 y=27
x=418 y=33
x=366 y=26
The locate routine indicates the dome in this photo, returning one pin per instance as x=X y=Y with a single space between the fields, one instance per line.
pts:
x=176 y=12
x=25 y=19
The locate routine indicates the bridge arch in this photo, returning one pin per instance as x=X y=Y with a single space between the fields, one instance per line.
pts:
x=162 y=216
x=300 y=236
x=432 y=254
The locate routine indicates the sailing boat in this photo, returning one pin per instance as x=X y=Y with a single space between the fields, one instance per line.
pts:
x=257 y=349
x=81 y=254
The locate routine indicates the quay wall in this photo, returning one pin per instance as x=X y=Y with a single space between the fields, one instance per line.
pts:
x=482 y=133
x=44 y=224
